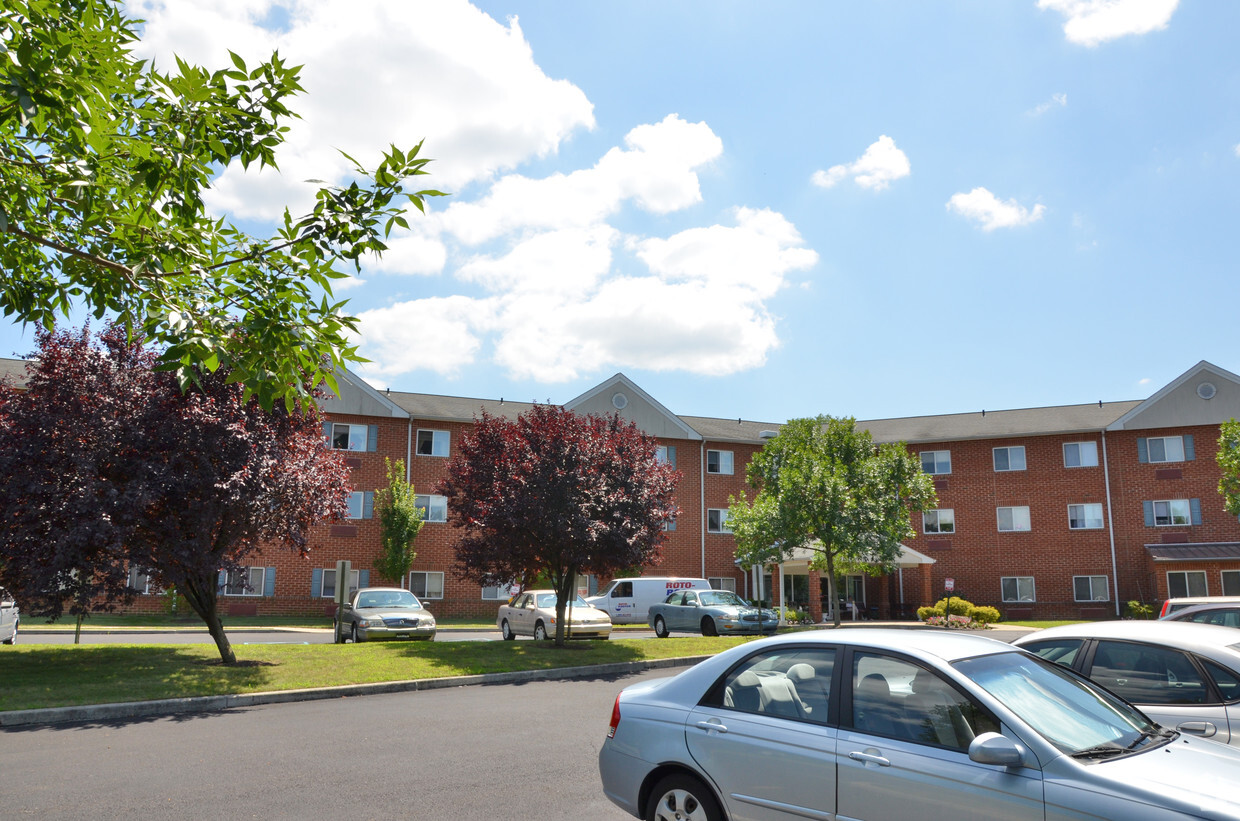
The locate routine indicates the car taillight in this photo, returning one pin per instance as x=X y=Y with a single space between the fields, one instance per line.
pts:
x=615 y=718
x=1166 y=608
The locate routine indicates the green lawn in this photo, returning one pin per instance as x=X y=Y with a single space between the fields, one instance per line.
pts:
x=37 y=676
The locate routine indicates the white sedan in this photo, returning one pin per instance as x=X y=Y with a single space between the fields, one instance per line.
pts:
x=532 y=613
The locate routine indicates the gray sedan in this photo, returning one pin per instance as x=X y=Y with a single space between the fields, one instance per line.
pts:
x=1181 y=674
x=899 y=724
x=710 y=612
x=385 y=613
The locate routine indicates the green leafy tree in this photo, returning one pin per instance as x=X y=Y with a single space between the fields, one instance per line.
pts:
x=104 y=165
x=1229 y=465
x=400 y=520
x=824 y=486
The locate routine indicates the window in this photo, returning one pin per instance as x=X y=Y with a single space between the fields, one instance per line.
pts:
x=1085 y=517
x=245 y=581
x=1226 y=680
x=622 y=590
x=660 y=455
x=1145 y=674
x=350 y=437
x=361 y=504
x=328 y=585
x=936 y=461
x=433 y=442
x=434 y=508
x=717 y=521
x=1060 y=651
x=942 y=520
x=670 y=524
x=1172 y=512
x=501 y=593
x=718 y=461
x=783 y=682
x=1080 y=454
x=895 y=698
x=1090 y=588
x=1010 y=458
x=426 y=584
x=1013 y=518
x=1017 y=588
x=1231 y=582
x=1163 y=449
x=723 y=583
x=140 y=580
x=1182 y=583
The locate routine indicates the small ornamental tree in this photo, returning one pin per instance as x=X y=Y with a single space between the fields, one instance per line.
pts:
x=824 y=486
x=554 y=494
x=1229 y=466
x=400 y=520
x=107 y=466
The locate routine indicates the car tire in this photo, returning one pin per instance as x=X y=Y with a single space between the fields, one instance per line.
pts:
x=505 y=630
x=540 y=632
x=708 y=627
x=354 y=635
x=660 y=627
x=681 y=796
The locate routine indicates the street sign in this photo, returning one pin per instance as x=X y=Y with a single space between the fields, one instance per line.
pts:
x=949 y=585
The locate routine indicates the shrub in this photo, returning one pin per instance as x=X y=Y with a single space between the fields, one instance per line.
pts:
x=1140 y=610
x=927 y=613
x=960 y=607
x=984 y=614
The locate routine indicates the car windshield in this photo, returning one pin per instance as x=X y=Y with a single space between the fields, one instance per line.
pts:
x=1070 y=712
x=716 y=598
x=547 y=601
x=389 y=598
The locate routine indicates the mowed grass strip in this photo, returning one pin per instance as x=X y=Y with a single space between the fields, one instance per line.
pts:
x=37 y=676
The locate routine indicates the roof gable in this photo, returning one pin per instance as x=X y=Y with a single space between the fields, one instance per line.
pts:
x=1205 y=394
x=358 y=398
x=620 y=395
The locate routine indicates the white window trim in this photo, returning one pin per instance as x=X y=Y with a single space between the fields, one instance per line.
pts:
x=256 y=591
x=1188 y=519
x=1079 y=445
x=1150 y=455
x=355 y=577
x=1222 y=580
x=722 y=583
x=1032 y=585
x=1106 y=589
x=428 y=506
x=936 y=471
x=1013 y=528
x=435 y=434
x=500 y=593
x=1205 y=580
x=426 y=585
x=360 y=497
x=1009 y=448
x=365 y=435
x=731 y=463
x=1101 y=517
x=939 y=511
x=723 y=520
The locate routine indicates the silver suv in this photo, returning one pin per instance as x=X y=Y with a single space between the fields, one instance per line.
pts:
x=8 y=617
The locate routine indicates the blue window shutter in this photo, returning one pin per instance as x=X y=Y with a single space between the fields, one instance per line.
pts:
x=223 y=581
x=363 y=578
x=1189 y=453
x=1194 y=505
x=316 y=583
x=671 y=455
x=327 y=433
x=368 y=504
x=269 y=582
x=1149 y=513
x=1143 y=451
x=372 y=438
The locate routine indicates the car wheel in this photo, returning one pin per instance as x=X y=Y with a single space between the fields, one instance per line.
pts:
x=505 y=629
x=356 y=638
x=540 y=632
x=660 y=627
x=682 y=797
x=708 y=627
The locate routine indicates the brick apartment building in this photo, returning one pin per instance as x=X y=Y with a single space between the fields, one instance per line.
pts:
x=1066 y=511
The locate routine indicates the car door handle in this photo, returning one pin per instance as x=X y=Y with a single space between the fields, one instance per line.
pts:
x=869 y=758
x=712 y=725
x=1202 y=728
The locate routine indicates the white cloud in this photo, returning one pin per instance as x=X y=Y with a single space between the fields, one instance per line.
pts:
x=1091 y=22
x=377 y=73
x=1238 y=149
x=881 y=163
x=440 y=334
x=990 y=212
x=567 y=261
x=1059 y=100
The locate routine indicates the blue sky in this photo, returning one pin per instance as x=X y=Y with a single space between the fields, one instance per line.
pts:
x=770 y=210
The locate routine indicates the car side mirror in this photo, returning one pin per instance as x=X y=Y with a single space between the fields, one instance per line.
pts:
x=993 y=748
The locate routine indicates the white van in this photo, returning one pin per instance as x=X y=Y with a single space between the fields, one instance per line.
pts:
x=628 y=600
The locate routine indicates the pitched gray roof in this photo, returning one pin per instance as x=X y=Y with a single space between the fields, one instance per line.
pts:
x=455 y=408
x=997 y=424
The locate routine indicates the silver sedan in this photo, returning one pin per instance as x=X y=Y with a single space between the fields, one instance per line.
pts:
x=385 y=613
x=899 y=724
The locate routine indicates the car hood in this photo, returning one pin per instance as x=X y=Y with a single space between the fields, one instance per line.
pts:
x=1189 y=775
x=736 y=610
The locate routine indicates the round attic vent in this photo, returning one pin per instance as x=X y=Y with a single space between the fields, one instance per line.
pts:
x=1206 y=390
x=619 y=401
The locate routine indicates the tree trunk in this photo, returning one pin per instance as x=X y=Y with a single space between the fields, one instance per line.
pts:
x=203 y=597
x=833 y=598
x=562 y=597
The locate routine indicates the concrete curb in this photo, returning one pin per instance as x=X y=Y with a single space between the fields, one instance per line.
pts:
x=210 y=704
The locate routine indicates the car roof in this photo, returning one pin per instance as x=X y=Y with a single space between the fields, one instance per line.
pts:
x=1195 y=600
x=1188 y=635
x=922 y=642
x=1201 y=608
x=382 y=590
